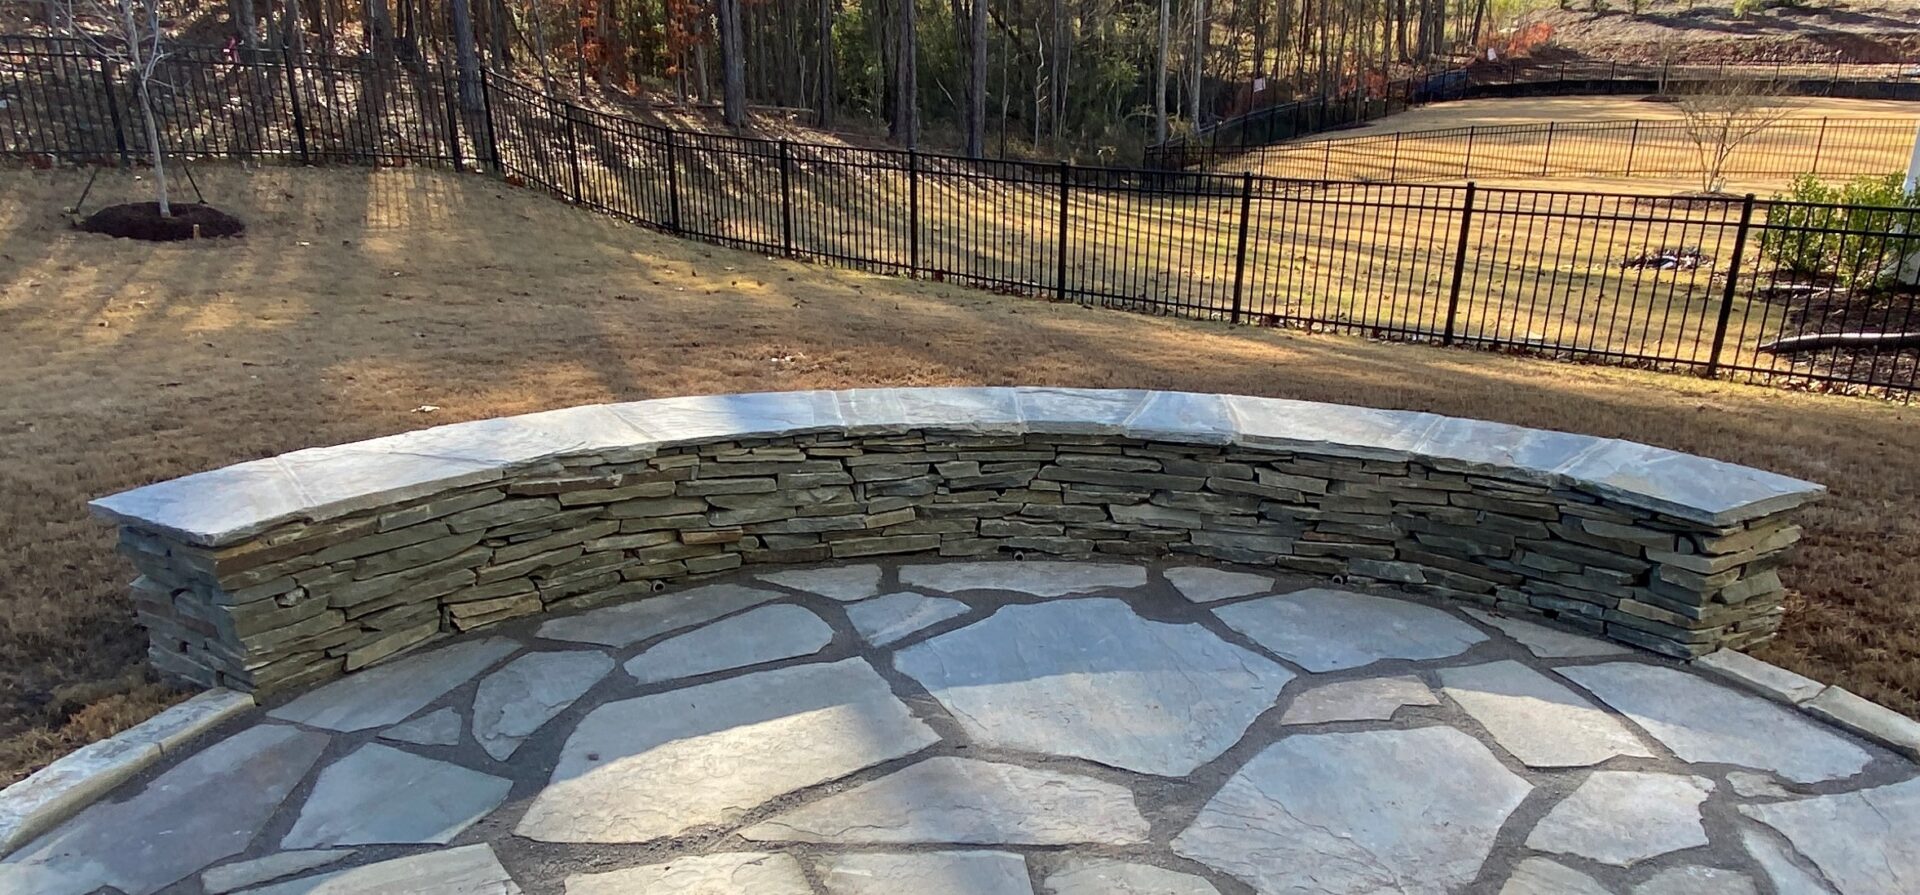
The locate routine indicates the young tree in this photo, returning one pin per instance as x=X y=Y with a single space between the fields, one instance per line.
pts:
x=132 y=40
x=1720 y=116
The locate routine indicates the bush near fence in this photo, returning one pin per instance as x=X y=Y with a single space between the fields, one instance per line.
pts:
x=1660 y=283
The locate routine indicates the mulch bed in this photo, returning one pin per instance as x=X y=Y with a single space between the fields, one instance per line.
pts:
x=142 y=220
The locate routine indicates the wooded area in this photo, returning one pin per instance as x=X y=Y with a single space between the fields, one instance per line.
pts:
x=1064 y=77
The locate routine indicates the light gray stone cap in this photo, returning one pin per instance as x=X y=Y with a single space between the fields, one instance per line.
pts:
x=223 y=506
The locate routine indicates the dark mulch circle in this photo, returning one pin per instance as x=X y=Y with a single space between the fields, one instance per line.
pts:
x=142 y=220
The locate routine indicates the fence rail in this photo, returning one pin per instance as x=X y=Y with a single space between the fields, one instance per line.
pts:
x=1711 y=285
x=1613 y=148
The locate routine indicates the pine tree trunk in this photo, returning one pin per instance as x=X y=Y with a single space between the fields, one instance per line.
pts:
x=733 y=67
x=466 y=56
x=827 y=87
x=1160 y=77
x=977 y=81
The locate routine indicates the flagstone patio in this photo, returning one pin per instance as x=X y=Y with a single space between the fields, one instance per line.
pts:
x=1037 y=728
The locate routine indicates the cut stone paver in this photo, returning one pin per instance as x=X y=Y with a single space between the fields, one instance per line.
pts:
x=1205 y=585
x=626 y=624
x=440 y=727
x=750 y=638
x=1701 y=721
x=658 y=765
x=1038 y=578
x=204 y=809
x=1787 y=877
x=1863 y=841
x=382 y=695
x=1546 y=642
x=926 y=873
x=1330 y=630
x=467 y=870
x=730 y=873
x=241 y=874
x=515 y=701
x=1358 y=812
x=1105 y=876
x=1091 y=679
x=380 y=795
x=847 y=583
x=1539 y=720
x=1697 y=881
x=1624 y=817
x=1371 y=699
x=969 y=802
x=1539 y=876
x=884 y=621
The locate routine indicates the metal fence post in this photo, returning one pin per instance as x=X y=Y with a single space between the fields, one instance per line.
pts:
x=1326 y=167
x=786 y=199
x=1819 y=143
x=913 y=211
x=1393 y=170
x=1060 y=283
x=1733 y=283
x=486 y=107
x=1459 y=264
x=113 y=112
x=1467 y=169
x=1546 y=155
x=293 y=99
x=1240 y=252
x=673 y=184
x=1633 y=143
x=453 y=127
x=573 y=150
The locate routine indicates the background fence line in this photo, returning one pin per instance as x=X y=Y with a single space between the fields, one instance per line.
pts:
x=1701 y=285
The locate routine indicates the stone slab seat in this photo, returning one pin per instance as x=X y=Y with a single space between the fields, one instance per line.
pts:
x=1415 y=498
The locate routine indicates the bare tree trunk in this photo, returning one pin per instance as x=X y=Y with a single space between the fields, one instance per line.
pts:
x=907 y=85
x=153 y=148
x=1199 y=59
x=466 y=56
x=977 y=81
x=379 y=28
x=1160 y=77
x=824 y=118
x=733 y=67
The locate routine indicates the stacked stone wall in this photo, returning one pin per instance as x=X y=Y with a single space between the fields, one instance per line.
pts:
x=306 y=601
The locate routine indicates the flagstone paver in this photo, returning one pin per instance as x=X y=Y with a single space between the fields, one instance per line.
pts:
x=659 y=765
x=1105 y=876
x=380 y=795
x=1538 y=720
x=1623 y=817
x=625 y=624
x=242 y=874
x=202 y=810
x=1049 y=728
x=730 y=873
x=1701 y=721
x=926 y=873
x=515 y=701
x=1864 y=841
x=884 y=621
x=1092 y=679
x=847 y=583
x=750 y=638
x=1367 y=699
x=960 y=800
x=468 y=870
x=1202 y=584
x=440 y=727
x=383 y=695
x=1357 y=812
x=1330 y=630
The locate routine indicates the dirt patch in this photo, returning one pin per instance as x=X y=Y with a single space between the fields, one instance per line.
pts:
x=143 y=220
x=360 y=296
x=1710 y=33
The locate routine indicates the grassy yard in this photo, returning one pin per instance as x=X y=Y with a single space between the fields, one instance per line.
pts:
x=358 y=297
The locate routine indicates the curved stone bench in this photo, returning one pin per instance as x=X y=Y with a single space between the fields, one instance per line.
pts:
x=292 y=569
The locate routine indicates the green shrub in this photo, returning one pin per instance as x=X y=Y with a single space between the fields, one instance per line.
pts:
x=1850 y=232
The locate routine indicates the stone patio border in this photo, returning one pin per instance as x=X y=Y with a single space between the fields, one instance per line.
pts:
x=78 y=779
x=1830 y=703
x=293 y=569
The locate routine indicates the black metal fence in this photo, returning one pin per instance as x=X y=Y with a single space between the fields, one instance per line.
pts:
x=1778 y=292
x=1818 y=146
x=1300 y=118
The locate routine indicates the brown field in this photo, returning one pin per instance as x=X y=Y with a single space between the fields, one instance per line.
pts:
x=359 y=296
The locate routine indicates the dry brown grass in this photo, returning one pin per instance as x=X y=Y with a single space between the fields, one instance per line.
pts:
x=359 y=296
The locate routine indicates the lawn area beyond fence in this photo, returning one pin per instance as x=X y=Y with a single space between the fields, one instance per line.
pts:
x=1767 y=291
